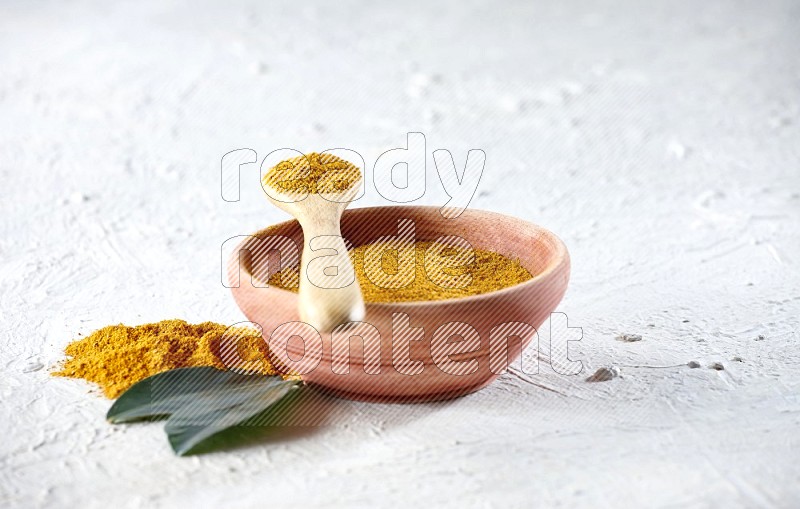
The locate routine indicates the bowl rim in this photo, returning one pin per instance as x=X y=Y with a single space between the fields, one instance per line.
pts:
x=560 y=259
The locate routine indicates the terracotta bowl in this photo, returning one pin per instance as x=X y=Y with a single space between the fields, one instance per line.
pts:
x=438 y=349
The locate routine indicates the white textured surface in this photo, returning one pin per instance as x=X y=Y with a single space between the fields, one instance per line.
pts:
x=660 y=140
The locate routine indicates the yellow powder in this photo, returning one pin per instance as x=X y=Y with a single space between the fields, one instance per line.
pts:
x=117 y=356
x=489 y=271
x=313 y=173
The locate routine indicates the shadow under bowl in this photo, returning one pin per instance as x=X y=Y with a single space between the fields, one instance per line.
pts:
x=410 y=351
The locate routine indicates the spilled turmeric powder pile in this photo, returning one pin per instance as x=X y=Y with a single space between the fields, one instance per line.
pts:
x=118 y=356
x=425 y=275
x=313 y=173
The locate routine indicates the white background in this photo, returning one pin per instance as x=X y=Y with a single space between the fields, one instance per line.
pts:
x=658 y=139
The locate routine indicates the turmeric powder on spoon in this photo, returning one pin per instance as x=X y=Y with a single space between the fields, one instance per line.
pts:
x=313 y=173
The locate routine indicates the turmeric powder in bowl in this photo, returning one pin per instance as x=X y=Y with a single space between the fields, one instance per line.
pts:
x=487 y=272
x=313 y=173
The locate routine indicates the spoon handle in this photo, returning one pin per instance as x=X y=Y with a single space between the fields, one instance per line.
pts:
x=329 y=291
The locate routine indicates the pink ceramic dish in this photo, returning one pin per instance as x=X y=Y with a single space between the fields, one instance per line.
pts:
x=438 y=349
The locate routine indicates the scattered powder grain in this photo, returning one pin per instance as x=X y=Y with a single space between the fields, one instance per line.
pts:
x=605 y=374
x=313 y=173
x=489 y=271
x=117 y=356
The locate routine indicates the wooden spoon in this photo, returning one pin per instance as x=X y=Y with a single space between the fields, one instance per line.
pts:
x=329 y=291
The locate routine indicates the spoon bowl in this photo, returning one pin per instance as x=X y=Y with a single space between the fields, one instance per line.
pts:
x=411 y=351
x=299 y=203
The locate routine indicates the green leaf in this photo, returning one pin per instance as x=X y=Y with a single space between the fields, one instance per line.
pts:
x=199 y=402
x=158 y=396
